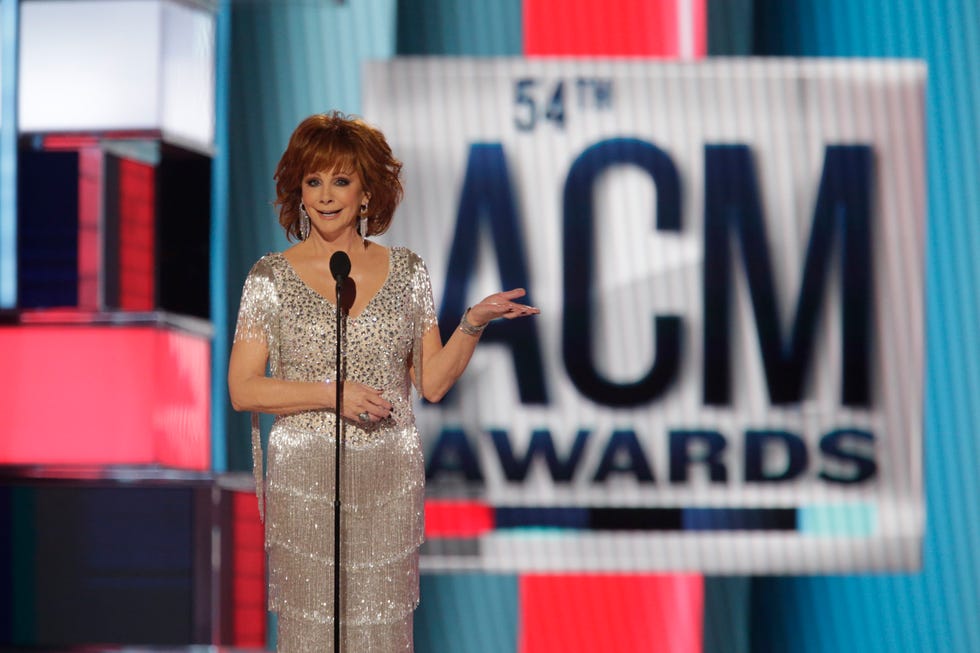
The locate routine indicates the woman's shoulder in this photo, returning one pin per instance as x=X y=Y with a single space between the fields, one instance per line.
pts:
x=265 y=273
x=267 y=265
x=406 y=256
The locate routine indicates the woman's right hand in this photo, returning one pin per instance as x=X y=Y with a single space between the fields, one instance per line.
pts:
x=360 y=399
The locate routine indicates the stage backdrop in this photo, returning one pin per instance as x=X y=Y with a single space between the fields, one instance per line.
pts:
x=726 y=375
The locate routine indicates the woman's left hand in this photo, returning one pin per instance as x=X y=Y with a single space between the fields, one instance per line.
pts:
x=500 y=305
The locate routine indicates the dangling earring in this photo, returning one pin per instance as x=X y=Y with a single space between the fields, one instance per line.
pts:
x=304 y=222
x=364 y=221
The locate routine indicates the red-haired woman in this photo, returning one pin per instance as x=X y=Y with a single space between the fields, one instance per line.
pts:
x=338 y=184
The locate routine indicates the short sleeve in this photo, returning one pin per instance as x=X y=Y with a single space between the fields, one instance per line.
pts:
x=422 y=289
x=259 y=308
x=258 y=316
x=424 y=308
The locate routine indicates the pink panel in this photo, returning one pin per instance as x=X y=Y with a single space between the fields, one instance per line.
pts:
x=93 y=395
x=181 y=417
x=637 y=28
x=589 y=613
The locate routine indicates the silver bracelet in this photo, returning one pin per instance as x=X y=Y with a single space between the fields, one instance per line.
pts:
x=470 y=329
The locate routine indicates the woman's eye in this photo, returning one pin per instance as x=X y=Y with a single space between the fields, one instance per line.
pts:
x=313 y=182
x=341 y=181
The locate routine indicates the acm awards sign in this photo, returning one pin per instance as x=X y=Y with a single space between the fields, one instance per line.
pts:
x=727 y=374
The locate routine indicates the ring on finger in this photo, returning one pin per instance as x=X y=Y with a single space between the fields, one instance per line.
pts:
x=364 y=417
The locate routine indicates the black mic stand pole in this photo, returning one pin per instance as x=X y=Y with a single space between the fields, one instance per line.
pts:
x=336 y=470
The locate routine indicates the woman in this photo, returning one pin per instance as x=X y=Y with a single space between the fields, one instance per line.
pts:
x=338 y=184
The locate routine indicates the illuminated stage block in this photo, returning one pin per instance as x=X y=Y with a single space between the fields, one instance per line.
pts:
x=109 y=389
x=114 y=557
x=130 y=229
x=102 y=556
x=91 y=66
x=117 y=133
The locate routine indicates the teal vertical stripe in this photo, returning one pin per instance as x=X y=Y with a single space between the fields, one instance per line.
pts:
x=467 y=613
x=847 y=520
x=730 y=27
x=934 y=610
x=24 y=573
x=459 y=27
x=219 y=237
x=9 y=42
x=726 y=612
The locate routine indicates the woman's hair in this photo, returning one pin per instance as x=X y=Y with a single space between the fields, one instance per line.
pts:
x=334 y=141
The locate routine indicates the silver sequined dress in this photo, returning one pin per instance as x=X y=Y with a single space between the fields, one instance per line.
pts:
x=382 y=473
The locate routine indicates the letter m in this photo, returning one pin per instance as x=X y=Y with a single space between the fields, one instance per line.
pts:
x=843 y=210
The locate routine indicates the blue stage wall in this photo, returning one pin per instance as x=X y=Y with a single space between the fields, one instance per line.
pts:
x=282 y=68
x=934 y=610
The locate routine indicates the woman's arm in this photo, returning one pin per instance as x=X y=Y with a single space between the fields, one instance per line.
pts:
x=251 y=390
x=443 y=364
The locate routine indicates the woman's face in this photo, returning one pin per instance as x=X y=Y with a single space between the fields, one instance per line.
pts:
x=333 y=198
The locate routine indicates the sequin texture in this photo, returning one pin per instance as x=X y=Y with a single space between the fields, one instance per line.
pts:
x=382 y=471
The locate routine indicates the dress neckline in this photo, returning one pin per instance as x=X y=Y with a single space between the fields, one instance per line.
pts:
x=311 y=290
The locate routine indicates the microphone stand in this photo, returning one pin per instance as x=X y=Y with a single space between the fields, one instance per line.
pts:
x=336 y=467
x=336 y=475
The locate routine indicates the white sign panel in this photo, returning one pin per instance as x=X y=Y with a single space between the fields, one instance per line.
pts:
x=727 y=372
x=118 y=65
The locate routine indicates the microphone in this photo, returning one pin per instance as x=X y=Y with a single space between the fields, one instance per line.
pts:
x=340 y=266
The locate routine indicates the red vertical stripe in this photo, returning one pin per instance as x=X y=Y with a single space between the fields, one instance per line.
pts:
x=136 y=238
x=631 y=28
x=699 y=35
x=248 y=567
x=569 y=614
x=590 y=613
x=89 y=235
